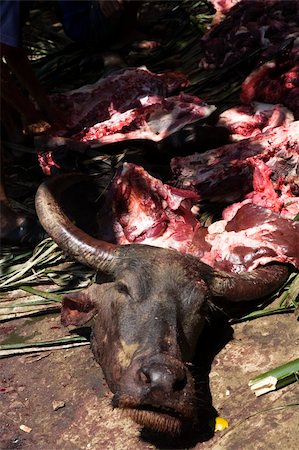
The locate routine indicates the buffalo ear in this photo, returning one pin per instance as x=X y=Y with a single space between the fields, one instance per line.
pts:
x=77 y=309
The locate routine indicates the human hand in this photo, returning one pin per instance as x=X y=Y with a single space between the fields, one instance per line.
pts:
x=36 y=128
x=42 y=122
x=111 y=8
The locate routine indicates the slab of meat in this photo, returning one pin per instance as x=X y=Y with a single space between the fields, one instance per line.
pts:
x=253 y=236
x=130 y=104
x=155 y=119
x=144 y=210
x=226 y=174
x=245 y=121
x=117 y=93
x=247 y=27
x=275 y=83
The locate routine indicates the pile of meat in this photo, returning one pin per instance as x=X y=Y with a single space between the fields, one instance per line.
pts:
x=132 y=103
x=144 y=210
x=251 y=26
x=270 y=28
x=256 y=175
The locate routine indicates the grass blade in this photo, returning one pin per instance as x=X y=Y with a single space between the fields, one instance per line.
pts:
x=53 y=344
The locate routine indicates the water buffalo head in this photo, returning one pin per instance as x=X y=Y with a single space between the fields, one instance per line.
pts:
x=148 y=316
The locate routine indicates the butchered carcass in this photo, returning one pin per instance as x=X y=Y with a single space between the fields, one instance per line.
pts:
x=155 y=119
x=274 y=82
x=148 y=315
x=251 y=235
x=141 y=209
x=247 y=27
x=226 y=173
x=144 y=210
x=130 y=104
x=246 y=121
x=116 y=93
x=279 y=193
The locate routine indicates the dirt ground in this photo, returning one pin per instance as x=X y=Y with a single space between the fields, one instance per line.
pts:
x=31 y=384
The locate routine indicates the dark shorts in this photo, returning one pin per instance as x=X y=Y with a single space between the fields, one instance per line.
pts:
x=84 y=22
x=101 y=28
x=13 y=15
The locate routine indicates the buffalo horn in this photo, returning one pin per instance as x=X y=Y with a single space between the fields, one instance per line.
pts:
x=260 y=282
x=84 y=248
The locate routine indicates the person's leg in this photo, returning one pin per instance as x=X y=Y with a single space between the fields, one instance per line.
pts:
x=11 y=124
x=115 y=32
x=101 y=29
x=15 y=228
x=13 y=98
x=11 y=93
x=9 y=219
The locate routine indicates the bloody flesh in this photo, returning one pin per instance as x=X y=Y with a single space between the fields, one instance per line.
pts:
x=144 y=210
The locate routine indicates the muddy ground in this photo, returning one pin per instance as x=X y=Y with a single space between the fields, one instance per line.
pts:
x=31 y=384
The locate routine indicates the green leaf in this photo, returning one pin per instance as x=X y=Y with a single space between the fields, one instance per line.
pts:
x=276 y=378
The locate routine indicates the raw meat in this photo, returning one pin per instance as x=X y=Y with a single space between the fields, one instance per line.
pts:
x=156 y=119
x=253 y=236
x=144 y=210
x=116 y=93
x=253 y=119
x=130 y=104
x=274 y=83
x=247 y=27
x=277 y=196
x=226 y=174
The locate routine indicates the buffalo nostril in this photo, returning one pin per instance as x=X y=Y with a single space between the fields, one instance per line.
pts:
x=180 y=383
x=144 y=376
x=163 y=377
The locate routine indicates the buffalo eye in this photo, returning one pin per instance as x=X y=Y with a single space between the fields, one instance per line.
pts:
x=122 y=288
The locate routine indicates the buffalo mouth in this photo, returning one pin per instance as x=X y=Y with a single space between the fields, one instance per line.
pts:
x=158 y=419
